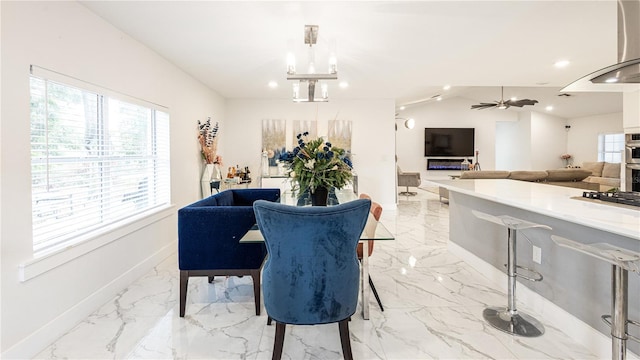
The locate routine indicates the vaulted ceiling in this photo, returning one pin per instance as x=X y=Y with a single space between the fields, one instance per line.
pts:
x=386 y=49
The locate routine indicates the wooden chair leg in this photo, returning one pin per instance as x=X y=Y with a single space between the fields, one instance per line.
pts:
x=279 y=341
x=345 y=341
x=255 y=275
x=211 y=277
x=269 y=320
x=375 y=293
x=184 y=282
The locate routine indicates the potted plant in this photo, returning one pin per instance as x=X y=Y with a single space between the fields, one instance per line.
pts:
x=315 y=166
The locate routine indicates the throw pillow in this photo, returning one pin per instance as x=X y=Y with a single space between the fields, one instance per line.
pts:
x=611 y=170
x=594 y=167
x=567 y=174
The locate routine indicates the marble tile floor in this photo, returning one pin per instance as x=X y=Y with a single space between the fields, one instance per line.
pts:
x=433 y=310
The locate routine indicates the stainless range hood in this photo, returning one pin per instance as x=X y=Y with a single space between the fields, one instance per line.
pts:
x=625 y=75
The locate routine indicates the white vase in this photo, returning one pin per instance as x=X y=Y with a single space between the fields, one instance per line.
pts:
x=205 y=181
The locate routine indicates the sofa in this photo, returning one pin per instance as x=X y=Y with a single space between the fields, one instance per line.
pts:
x=209 y=231
x=605 y=174
x=560 y=177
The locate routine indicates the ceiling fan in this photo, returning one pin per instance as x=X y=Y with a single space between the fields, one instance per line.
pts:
x=502 y=104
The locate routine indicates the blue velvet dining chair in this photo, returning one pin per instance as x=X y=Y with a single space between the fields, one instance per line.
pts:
x=311 y=275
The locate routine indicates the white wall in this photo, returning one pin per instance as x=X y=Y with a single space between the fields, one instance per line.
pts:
x=67 y=38
x=513 y=143
x=372 y=139
x=454 y=112
x=582 y=137
x=548 y=141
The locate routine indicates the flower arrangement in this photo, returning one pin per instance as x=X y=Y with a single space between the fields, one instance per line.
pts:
x=208 y=138
x=315 y=163
x=565 y=156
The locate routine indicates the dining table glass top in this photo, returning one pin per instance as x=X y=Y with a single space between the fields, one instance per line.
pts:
x=373 y=229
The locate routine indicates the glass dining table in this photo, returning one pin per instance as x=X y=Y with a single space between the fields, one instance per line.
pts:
x=373 y=230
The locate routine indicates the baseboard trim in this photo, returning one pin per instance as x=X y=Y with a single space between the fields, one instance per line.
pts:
x=593 y=340
x=33 y=344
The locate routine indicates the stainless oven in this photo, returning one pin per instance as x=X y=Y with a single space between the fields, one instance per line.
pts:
x=632 y=139
x=632 y=177
x=632 y=154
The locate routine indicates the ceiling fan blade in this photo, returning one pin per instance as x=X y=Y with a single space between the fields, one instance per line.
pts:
x=483 y=106
x=521 y=103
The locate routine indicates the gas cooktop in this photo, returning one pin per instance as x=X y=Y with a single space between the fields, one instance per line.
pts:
x=627 y=198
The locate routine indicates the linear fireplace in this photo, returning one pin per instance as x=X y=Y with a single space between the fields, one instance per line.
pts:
x=444 y=164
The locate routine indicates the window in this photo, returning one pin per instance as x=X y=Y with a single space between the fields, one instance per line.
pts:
x=96 y=160
x=610 y=147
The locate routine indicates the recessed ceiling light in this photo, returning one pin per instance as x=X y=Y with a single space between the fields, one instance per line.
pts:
x=344 y=84
x=446 y=87
x=561 y=63
x=273 y=84
x=402 y=108
x=611 y=80
x=549 y=108
x=439 y=98
x=514 y=98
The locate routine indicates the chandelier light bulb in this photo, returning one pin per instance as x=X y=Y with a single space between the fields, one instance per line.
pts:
x=333 y=64
x=291 y=64
x=296 y=90
x=325 y=90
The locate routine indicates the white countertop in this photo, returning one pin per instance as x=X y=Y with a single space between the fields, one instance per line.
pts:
x=551 y=200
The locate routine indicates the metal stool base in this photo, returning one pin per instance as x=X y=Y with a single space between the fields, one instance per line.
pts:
x=408 y=193
x=519 y=324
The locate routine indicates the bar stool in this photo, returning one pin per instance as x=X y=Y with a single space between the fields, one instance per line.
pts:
x=509 y=319
x=622 y=261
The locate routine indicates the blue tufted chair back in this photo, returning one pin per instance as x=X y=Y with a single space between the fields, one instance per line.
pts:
x=311 y=275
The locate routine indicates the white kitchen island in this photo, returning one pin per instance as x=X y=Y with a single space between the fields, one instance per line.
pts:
x=576 y=288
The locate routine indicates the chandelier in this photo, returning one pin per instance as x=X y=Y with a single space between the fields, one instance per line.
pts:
x=311 y=81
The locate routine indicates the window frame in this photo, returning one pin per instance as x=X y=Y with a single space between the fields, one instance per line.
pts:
x=614 y=139
x=50 y=256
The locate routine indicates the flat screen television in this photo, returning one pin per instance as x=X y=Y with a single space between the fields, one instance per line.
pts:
x=449 y=141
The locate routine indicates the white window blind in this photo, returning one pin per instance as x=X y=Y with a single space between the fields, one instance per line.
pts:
x=610 y=147
x=96 y=160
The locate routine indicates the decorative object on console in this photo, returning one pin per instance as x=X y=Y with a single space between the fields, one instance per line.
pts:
x=311 y=78
x=567 y=159
x=208 y=139
x=315 y=163
x=503 y=105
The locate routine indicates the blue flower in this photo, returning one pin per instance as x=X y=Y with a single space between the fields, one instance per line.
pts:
x=348 y=162
x=319 y=156
x=298 y=136
x=296 y=150
x=300 y=142
x=328 y=144
x=326 y=148
x=306 y=133
x=330 y=154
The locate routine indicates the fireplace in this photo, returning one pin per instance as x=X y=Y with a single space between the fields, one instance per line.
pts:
x=444 y=164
